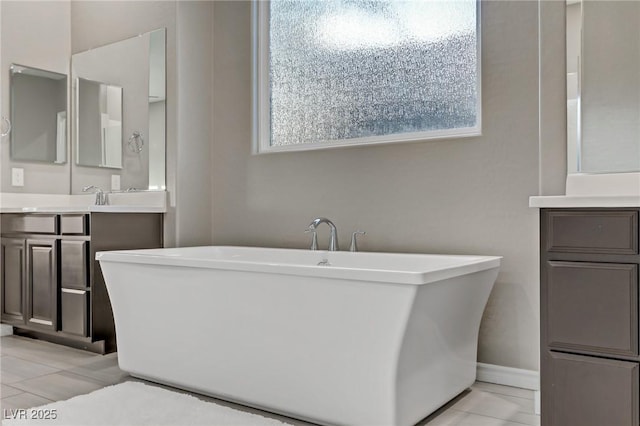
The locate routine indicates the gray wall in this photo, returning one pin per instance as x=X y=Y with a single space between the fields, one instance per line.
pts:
x=450 y=196
x=35 y=34
x=194 y=97
x=188 y=105
x=553 y=99
x=67 y=27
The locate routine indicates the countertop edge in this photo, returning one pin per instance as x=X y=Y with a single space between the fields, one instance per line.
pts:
x=81 y=210
x=566 y=201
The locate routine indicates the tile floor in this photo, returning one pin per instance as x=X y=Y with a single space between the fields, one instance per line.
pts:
x=34 y=372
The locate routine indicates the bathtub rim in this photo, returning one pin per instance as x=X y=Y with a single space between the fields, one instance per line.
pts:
x=391 y=276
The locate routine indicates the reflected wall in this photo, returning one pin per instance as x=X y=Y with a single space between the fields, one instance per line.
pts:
x=603 y=86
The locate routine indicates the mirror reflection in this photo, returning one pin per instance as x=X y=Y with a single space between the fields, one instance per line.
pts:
x=603 y=77
x=99 y=124
x=38 y=115
x=119 y=104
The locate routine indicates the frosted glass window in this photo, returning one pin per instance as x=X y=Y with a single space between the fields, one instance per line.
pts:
x=337 y=72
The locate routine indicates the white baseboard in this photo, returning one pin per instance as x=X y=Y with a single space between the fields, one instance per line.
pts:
x=508 y=376
x=6 y=330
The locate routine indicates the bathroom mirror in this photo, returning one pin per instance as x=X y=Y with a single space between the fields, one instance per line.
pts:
x=603 y=86
x=99 y=120
x=38 y=115
x=119 y=114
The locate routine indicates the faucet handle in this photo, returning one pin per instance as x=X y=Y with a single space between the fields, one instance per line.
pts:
x=354 y=242
x=314 y=238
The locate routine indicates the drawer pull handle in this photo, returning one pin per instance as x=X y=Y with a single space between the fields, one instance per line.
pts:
x=69 y=290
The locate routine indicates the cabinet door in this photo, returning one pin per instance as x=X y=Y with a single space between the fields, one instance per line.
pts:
x=13 y=280
x=74 y=261
x=42 y=284
x=588 y=391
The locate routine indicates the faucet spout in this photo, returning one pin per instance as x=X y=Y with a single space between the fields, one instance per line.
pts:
x=333 y=237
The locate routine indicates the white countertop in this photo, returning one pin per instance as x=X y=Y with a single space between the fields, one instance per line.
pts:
x=85 y=209
x=119 y=202
x=582 y=201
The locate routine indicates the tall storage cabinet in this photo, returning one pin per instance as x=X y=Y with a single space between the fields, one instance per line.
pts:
x=589 y=263
x=52 y=288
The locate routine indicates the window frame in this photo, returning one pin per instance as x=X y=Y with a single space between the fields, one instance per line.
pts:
x=261 y=114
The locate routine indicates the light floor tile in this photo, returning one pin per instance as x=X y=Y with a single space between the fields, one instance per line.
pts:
x=104 y=369
x=7 y=391
x=59 y=386
x=449 y=417
x=32 y=369
x=514 y=409
x=477 y=420
x=504 y=390
x=23 y=400
x=8 y=342
x=56 y=356
x=14 y=370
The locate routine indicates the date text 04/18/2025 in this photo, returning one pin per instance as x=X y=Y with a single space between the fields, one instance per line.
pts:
x=29 y=413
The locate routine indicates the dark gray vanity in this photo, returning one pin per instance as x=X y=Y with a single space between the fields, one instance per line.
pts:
x=52 y=287
x=590 y=357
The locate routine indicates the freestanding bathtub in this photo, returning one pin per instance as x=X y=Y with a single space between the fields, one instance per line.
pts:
x=331 y=337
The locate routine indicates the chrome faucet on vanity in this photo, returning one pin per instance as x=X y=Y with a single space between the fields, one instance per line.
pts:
x=102 y=198
x=333 y=238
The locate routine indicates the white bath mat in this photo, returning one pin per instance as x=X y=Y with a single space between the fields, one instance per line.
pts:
x=135 y=404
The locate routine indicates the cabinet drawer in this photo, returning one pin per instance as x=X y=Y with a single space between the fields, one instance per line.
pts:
x=30 y=223
x=593 y=232
x=74 y=224
x=74 y=262
x=74 y=314
x=592 y=307
x=589 y=391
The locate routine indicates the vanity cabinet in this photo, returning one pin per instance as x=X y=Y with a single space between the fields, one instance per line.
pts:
x=52 y=287
x=30 y=278
x=590 y=357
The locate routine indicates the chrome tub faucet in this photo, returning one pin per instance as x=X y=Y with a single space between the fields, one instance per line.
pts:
x=333 y=238
x=354 y=240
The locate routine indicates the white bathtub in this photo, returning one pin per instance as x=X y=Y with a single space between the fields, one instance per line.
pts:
x=369 y=339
